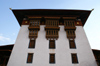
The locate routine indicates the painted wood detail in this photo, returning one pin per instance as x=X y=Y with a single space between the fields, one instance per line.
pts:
x=25 y=22
x=78 y=23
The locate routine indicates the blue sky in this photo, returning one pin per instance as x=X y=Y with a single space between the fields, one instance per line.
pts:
x=9 y=26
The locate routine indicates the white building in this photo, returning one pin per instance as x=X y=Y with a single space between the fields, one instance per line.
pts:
x=51 y=37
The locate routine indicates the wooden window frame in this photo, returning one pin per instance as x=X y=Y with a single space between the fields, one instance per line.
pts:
x=32 y=45
x=69 y=23
x=30 y=60
x=52 y=58
x=74 y=58
x=52 y=44
x=34 y=23
x=72 y=44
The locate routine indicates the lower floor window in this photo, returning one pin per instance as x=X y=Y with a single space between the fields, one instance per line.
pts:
x=30 y=58
x=74 y=58
x=52 y=58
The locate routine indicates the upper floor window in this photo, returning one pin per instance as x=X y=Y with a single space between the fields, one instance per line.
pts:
x=33 y=32
x=52 y=23
x=69 y=23
x=70 y=32
x=51 y=32
x=34 y=23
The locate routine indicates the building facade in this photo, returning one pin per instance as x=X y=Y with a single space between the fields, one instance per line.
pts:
x=51 y=37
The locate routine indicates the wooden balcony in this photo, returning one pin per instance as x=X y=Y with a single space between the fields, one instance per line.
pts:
x=70 y=28
x=52 y=28
x=52 y=36
x=71 y=36
x=33 y=35
x=34 y=27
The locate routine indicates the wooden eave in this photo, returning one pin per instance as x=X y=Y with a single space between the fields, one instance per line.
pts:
x=21 y=13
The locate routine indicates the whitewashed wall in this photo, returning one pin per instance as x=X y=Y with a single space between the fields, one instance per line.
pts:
x=42 y=51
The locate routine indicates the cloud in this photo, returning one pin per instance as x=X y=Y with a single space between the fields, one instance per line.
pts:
x=2 y=38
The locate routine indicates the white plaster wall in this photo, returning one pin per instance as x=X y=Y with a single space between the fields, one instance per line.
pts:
x=42 y=51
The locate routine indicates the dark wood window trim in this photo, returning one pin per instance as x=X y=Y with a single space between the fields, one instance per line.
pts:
x=52 y=44
x=52 y=59
x=72 y=44
x=32 y=44
x=30 y=58
x=74 y=58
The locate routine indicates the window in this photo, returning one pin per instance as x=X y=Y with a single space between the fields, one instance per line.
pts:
x=30 y=57
x=33 y=32
x=34 y=23
x=70 y=32
x=70 y=23
x=32 y=44
x=72 y=44
x=52 y=58
x=52 y=32
x=52 y=23
x=74 y=58
x=52 y=44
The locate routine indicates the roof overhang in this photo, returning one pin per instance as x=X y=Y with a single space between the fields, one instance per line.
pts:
x=23 y=13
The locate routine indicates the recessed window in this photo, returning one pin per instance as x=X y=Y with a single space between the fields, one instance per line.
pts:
x=32 y=44
x=74 y=58
x=70 y=32
x=30 y=58
x=72 y=44
x=70 y=23
x=52 y=58
x=51 y=44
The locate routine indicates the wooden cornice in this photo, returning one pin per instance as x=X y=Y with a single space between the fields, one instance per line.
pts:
x=6 y=50
x=52 y=17
x=69 y=17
